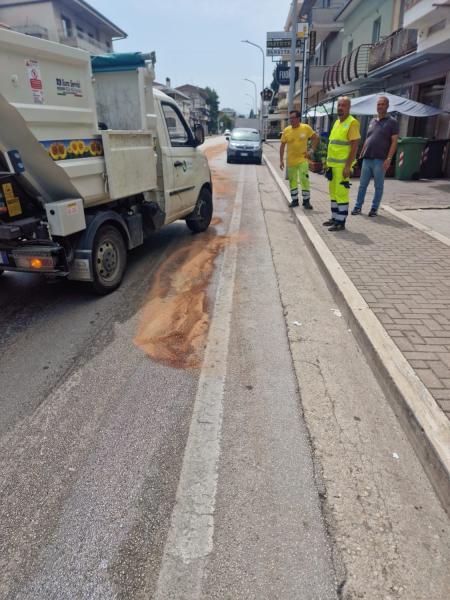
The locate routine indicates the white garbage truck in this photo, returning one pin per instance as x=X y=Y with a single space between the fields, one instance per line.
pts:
x=93 y=160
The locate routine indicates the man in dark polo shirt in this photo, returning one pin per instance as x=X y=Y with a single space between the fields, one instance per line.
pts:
x=377 y=152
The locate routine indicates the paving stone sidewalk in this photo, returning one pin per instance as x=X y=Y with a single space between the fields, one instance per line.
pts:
x=402 y=273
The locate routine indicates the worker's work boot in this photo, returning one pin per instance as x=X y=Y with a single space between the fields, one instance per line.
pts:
x=328 y=223
x=337 y=227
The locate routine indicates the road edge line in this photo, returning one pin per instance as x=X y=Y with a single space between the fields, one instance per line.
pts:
x=425 y=424
x=189 y=542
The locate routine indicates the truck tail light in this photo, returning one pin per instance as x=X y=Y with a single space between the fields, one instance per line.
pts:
x=37 y=263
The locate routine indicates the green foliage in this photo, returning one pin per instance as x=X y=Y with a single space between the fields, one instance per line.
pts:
x=212 y=101
x=227 y=122
x=320 y=154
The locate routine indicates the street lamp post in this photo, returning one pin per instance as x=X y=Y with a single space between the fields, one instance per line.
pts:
x=254 y=105
x=263 y=66
x=256 y=93
x=255 y=108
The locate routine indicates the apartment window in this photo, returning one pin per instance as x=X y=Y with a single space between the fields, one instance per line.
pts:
x=66 y=26
x=376 y=30
x=80 y=32
x=325 y=3
x=349 y=46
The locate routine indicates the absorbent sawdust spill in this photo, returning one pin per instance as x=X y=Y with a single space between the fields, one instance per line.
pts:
x=224 y=186
x=175 y=319
x=212 y=152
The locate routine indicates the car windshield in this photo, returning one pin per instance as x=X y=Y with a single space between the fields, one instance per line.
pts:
x=245 y=135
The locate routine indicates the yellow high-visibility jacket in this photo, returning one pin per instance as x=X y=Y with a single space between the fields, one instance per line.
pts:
x=341 y=136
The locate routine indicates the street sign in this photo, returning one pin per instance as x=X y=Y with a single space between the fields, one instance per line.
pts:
x=279 y=44
x=312 y=42
x=282 y=74
x=303 y=30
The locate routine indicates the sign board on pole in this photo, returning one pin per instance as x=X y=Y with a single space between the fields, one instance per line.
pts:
x=303 y=30
x=282 y=74
x=278 y=43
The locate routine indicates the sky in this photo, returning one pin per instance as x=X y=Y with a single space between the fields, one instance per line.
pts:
x=199 y=41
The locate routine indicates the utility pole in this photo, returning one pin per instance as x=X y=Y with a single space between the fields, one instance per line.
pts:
x=294 y=16
x=305 y=45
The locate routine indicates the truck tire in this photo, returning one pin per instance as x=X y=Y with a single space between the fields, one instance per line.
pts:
x=200 y=218
x=109 y=259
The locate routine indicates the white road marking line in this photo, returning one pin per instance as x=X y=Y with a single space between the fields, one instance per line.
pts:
x=190 y=538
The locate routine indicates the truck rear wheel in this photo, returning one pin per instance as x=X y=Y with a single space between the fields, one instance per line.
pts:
x=201 y=216
x=109 y=259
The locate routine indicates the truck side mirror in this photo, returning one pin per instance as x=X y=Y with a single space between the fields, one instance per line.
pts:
x=199 y=134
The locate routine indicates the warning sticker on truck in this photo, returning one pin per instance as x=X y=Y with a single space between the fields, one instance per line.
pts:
x=12 y=201
x=34 y=78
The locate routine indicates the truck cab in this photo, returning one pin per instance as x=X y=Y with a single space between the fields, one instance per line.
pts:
x=92 y=161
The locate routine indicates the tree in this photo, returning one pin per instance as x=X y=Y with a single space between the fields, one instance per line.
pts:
x=227 y=122
x=251 y=115
x=212 y=101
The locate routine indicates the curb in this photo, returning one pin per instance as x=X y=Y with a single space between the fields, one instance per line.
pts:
x=428 y=230
x=426 y=426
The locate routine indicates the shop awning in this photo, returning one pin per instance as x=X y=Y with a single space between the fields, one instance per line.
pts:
x=367 y=105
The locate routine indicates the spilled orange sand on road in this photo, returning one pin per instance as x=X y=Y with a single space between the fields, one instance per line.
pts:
x=212 y=152
x=223 y=185
x=175 y=319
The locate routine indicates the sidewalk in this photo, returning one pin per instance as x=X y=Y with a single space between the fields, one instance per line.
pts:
x=403 y=275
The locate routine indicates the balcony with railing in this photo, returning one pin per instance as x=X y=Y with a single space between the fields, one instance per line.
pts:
x=33 y=30
x=81 y=40
x=316 y=75
x=398 y=44
x=323 y=20
x=351 y=67
x=423 y=13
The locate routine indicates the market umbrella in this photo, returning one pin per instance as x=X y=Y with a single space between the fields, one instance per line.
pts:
x=367 y=105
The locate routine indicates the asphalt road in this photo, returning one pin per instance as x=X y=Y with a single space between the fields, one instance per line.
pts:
x=111 y=408
x=210 y=431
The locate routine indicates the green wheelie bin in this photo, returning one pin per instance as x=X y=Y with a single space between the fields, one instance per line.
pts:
x=409 y=153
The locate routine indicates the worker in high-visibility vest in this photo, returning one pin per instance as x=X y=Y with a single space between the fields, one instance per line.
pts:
x=296 y=137
x=342 y=149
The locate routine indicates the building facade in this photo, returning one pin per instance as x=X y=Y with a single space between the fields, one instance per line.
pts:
x=363 y=47
x=183 y=101
x=199 y=110
x=397 y=46
x=71 y=22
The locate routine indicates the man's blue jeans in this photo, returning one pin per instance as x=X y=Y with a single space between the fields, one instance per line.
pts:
x=371 y=167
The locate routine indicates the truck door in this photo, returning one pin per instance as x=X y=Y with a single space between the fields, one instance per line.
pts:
x=181 y=159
